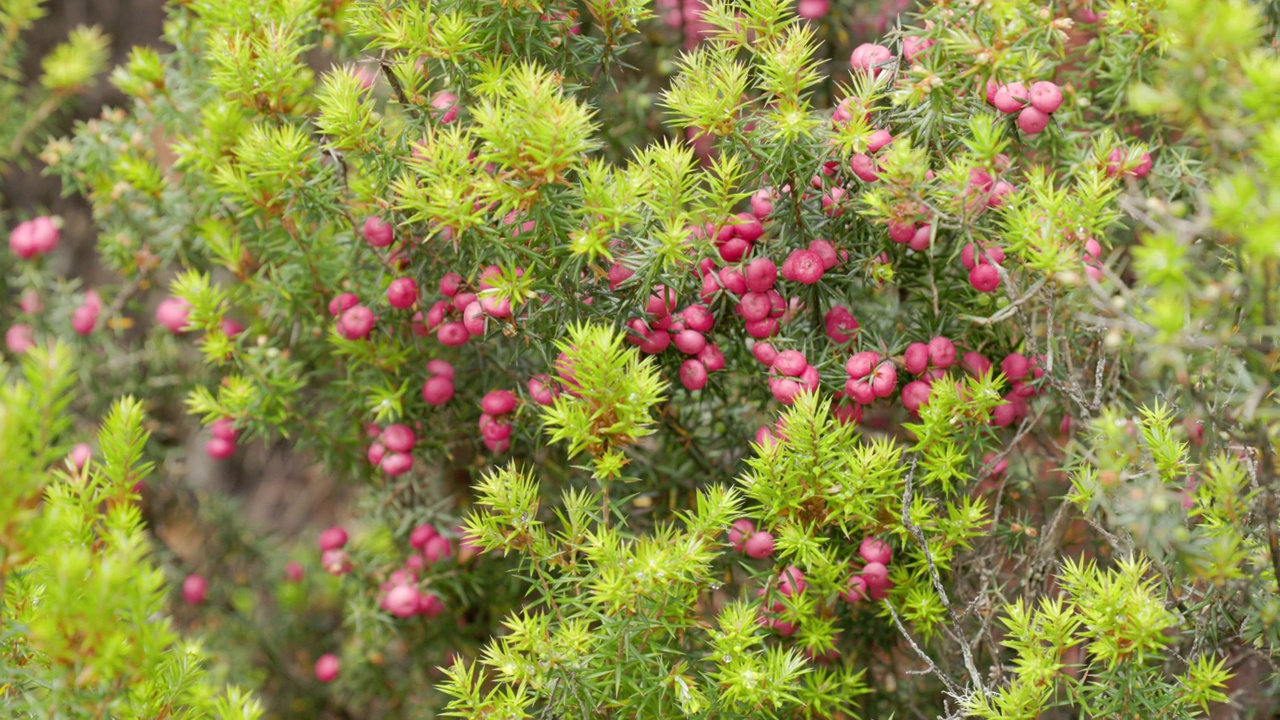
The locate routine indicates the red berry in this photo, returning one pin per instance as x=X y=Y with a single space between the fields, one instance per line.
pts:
x=402 y=293
x=401 y=601
x=878 y=140
x=733 y=280
x=440 y=367
x=761 y=275
x=864 y=167
x=760 y=545
x=1011 y=98
x=356 y=323
x=342 y=303
x=984 y=278
x=761 y=329
x=826 y=251
x=764 y=353
x=334 y=538
x=885 y=380
x=437 y=390
x=915 y=395
x=219 y=448
x=790 y=362
x=437 y=549
x=172 y=314
x=1031 y=121
x=867 y=57
x=803 y=266
x=542 y=389
x=876 y=575
x=378 y=233
x=711 y=358
x=856 y=589
x=942 y=352
x=739 y=532
x=1045 y=96
x=698 y=317
x=327 y=668
x=840 y=324
x=399 y=438
x=861 y=364
x=792 y=582
x=395 y=464
x=875 y=550
x=916 y=358
x=293 y=571
x=473 y=318
x=498 y=402
x=376 y=453
x=194 y=589
x=693 y=375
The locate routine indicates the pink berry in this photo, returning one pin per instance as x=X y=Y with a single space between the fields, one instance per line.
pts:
x=840 y=324
x=1015 y=366
x=327 y=668
x=995 y=469
x=430 y=605
x=984 y=278
x=437 y=390
x=498 y=402
x=803 y=266
x=864 y=167
x=1031 y=121
x=356 y=323
x=813 y=9
x=747 y=227
x=450 y=284
x=376 y=453
x=437 y=549
x=739 y=532
x=80 y=454
x=195 y=589
x=790 y=362
x=866 y=57
x=377 y=232
x=335 y=562
x=1045 y=96
x=855 y=589
x=792 y=582
x=401 y=601
x=1011 y=98
x=760 y=545
x=826 y=252
x=711 y=358
x=693 y=375
x=761 y=275
x=878 y=140
x=402 y=293
x=698 y=317
x=733 y=280
x=172 y=313
x=913 y=46
x=446 y=106
x=293 y=571
x=453 y=334
x=334 y=538
x=916 y=358
x=37 y=236
x=922 y=238
x=690 y=342
x=440 y=367
x=862 y=364
x=885 y=380
x=762 y=203
x=399 y=438
x=764 y=353
x=915 y=395
x=420 y=534
x=473 y=318
x=542 y=390
x=19 y=338
x=875 y=550
x=942 y=352
x=219 y=448
x=831 y=202
x=396 y=464
x=755 y=306
x=876 y=575
x=975 y=363
x=342 y=303
x=30 y=302
x=493 y=428
x=902 y=232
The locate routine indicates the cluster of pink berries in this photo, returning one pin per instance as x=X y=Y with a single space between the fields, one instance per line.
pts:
x=223 y=443
x=333 y=558
x=791 y=583
x=438 y=388
x=354 y=321
x=1020 y=371
x=1034 y=105
x=85 y=317
x=874 y=580
x=686 y=15
x=34 y=237
x=982 y=264
x=391 y=451
x=744 y=538
x=870 y=377
x=789 y=372
x=1116 y=164
x=495 y=425
x=930 y=361
x=686 y=331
